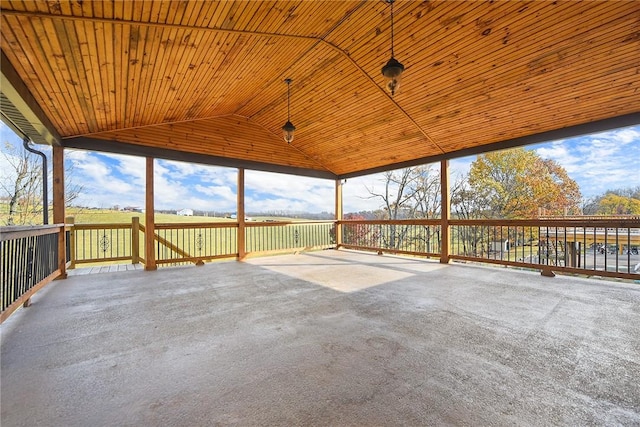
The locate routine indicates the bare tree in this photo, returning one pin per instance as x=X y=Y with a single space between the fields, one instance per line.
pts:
x=397 y=200
x=409 y=193
x=21 y=186
x=427 y=204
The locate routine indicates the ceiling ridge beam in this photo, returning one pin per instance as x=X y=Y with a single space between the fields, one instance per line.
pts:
x=231 y=31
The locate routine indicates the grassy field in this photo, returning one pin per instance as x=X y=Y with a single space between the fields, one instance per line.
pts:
x=110 y=216
x=106 y=216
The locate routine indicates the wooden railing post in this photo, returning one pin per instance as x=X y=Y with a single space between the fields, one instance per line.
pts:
x=72 y=241
x=445 y=208
x=135 y=240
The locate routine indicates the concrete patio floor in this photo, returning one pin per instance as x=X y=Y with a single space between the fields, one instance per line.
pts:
x=326 y=338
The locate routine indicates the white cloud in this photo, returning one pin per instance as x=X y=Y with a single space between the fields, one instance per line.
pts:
x=599 y=162
x=278 y=192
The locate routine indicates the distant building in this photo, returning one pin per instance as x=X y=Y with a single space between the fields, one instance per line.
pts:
x=185 y=212
x=132 y=209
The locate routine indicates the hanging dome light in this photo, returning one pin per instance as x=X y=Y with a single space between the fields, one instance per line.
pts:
x=392 y=71
x=288 y=128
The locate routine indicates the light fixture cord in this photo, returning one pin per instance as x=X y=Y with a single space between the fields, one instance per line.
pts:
x=288 y=101
x=392 y=55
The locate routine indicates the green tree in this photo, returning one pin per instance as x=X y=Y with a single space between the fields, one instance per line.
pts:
x=614 y=204
x=518 y=183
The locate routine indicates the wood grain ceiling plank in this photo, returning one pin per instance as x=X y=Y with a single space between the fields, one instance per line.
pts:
x=86 y=8
x=264 y=18
x=209 y=143
x=65 y=76
x=514 y=68
x=68 y=39
x=23 y=60
x=549 y=115
x=149 y=41
x=194 y=12
x=122 y=34
x=181 y=13
x=245 y=15
x=134 y=58
x=270 y=100
x=400 y=148
x=185 y=66
x=471 y=60
x=526 y=54
x=245 y=73
x=188 y=66
x=92 y=59
x=142 y=11
x=32 y=38
x=154 y=72
x=434 y=78
x=203 y=84
x=160 y=67
x=108 y=71
x=481 y=88
x=593 y=66
x=219 y=20
x=309 y=18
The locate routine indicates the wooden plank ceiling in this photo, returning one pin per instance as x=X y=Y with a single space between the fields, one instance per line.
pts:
x=204 y=80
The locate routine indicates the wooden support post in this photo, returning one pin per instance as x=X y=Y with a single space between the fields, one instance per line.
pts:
x=240 y=217
x=70 y=221
x=149 y=219
x=58 y=207
x=445 y=208
x=571 y=254
x=339 y=213
x=135 y=240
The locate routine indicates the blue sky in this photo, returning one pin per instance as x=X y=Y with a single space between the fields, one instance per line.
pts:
x=598 y=162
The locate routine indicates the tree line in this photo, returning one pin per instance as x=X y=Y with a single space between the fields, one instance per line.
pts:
x=509 y=184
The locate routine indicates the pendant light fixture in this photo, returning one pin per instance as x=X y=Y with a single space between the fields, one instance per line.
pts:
x=393 y=68
x=288 y=128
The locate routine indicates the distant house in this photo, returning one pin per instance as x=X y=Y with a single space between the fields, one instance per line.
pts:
x=132 y=209
x=185 y=212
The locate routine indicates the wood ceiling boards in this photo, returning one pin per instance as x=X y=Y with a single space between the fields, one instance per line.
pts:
x=203 y=81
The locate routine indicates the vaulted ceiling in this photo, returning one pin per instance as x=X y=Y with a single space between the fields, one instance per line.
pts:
x=204 y=81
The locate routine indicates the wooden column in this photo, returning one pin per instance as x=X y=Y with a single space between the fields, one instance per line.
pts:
x=240 y=216
x=339 y=213
x=58 y=207
x=445 y=214
x=149 y=220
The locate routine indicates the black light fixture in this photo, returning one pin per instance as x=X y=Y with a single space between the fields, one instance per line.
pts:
x=288 y=128
x=393 y=69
